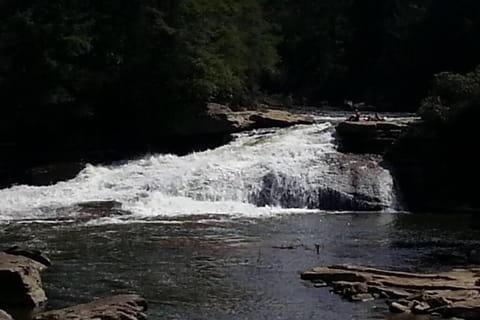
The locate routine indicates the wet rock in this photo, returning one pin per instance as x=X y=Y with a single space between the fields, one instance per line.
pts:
x=220 y=119
x=281 y=190
x=396 y=307
x=20 y=281
x=451 y=294
x=349 y=289
x=31 y=254
x=320 y=284
x=86 y=211
x=421 y=308
x=370 y=136
x=121 y=307
x=101 y=208
x=4 y=315
x=362 y=297
x=468 y=310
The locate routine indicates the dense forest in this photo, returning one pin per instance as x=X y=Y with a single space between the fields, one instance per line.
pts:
x=89 y=72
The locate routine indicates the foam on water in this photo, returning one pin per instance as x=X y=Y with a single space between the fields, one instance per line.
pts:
x=259 y=173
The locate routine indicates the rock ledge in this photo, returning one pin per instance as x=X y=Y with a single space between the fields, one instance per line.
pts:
x=451 y=294
x=121 y=307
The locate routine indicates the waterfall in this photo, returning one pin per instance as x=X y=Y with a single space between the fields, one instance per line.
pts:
x=261 y=172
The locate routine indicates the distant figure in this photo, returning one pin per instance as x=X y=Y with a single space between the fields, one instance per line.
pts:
x=378 y=118
x=355 y=116
x=348 y=103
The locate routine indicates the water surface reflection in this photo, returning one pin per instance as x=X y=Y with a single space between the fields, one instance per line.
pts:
x=214 y=268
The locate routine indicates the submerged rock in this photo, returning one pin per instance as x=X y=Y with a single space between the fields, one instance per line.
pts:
x=85 y=211
x=20 y=282
x=451 y=294
x=121 y=307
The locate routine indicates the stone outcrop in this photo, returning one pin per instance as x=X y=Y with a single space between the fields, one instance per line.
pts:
x=370 y=136
x=20 y=282
x=121 y=307
x=31 y=254
x=435 y=169
x=220 y=119
x=4 y=315
x=451 y=294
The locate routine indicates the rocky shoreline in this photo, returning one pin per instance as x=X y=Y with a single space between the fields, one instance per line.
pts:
x=21 y=289
x=450 y=294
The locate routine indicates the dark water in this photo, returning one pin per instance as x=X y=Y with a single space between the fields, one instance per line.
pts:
x=204 y=267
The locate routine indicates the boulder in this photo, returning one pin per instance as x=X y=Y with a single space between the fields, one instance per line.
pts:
x=120 y=307
x=4 y=315
x=370 y=136
x=31 y=254
x=21 y=285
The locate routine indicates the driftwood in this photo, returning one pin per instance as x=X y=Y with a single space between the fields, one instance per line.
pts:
x=451 y=294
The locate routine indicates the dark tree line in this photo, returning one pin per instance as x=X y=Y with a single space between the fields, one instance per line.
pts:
x=124 y=70
x=384 y=52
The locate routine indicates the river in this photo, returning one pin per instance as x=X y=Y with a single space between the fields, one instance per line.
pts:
x=224 y=233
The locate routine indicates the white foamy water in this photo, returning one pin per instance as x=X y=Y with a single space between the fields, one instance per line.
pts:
x=259 y=173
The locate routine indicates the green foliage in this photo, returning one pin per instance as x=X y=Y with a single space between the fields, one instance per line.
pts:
x=116 y=64
x=136 y=63
x=451 y=96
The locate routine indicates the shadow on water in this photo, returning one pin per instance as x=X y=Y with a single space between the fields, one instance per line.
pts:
x=212 y=268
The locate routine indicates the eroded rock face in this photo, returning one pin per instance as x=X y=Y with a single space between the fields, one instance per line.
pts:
x=21 y=285
x=121 y=307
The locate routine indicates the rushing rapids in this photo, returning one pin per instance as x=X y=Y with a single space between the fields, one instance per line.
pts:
x=260 y=172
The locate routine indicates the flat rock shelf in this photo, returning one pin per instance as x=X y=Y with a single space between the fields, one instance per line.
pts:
x=450 y=294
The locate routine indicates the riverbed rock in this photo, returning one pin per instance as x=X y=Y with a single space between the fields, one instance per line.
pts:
x=219 y=119
x=35 y=255
x=396 y=307
x=4 y=315
x=451 y=294
x=370 y=136
x=120 y=307
x=20 y=282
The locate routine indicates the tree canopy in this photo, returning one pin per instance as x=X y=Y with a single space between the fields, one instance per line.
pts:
x=113 y=69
